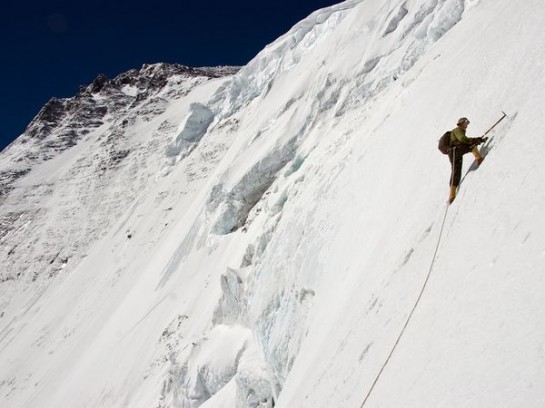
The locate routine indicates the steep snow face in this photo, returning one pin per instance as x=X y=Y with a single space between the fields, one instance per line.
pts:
x=276 y=240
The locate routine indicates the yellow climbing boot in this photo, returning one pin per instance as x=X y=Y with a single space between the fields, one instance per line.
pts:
x=478 y=158
x=452 y=194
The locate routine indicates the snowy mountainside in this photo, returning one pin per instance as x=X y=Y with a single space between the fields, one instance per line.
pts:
x=268 y=249
x=76 y=149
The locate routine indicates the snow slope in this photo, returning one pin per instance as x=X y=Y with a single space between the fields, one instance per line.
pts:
x=290 y=245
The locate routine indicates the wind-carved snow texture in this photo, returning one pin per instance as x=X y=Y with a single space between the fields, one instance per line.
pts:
x=408 y=33
x=243 y=371
x=197 y=377
x=233 y=207
x=194 y=129
x=257 y=240
x=252 y=376
x=257 y=77
x=394 y=22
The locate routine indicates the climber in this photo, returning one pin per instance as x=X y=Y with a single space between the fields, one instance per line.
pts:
x=460 y=144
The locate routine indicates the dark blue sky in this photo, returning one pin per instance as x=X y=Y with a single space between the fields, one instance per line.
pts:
x=50 y=48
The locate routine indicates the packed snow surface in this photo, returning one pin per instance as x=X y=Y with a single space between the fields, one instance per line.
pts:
x=280 y=236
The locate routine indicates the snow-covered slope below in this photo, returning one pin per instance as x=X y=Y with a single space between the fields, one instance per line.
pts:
x=289 y=242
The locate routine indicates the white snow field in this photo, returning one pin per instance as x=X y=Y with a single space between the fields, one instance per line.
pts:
x=281 y=237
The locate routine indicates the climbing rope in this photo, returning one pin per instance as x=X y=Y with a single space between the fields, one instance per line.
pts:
x=431 y=266
x=411 y=313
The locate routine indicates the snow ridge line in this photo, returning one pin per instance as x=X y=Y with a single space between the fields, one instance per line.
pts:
x=412 y=311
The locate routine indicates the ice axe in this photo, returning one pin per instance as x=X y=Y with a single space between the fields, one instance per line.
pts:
x=495 y=124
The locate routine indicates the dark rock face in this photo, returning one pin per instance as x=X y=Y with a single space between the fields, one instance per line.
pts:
x=98 y=83
x=51 y=112
x=153 y=77
x=7 y=178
